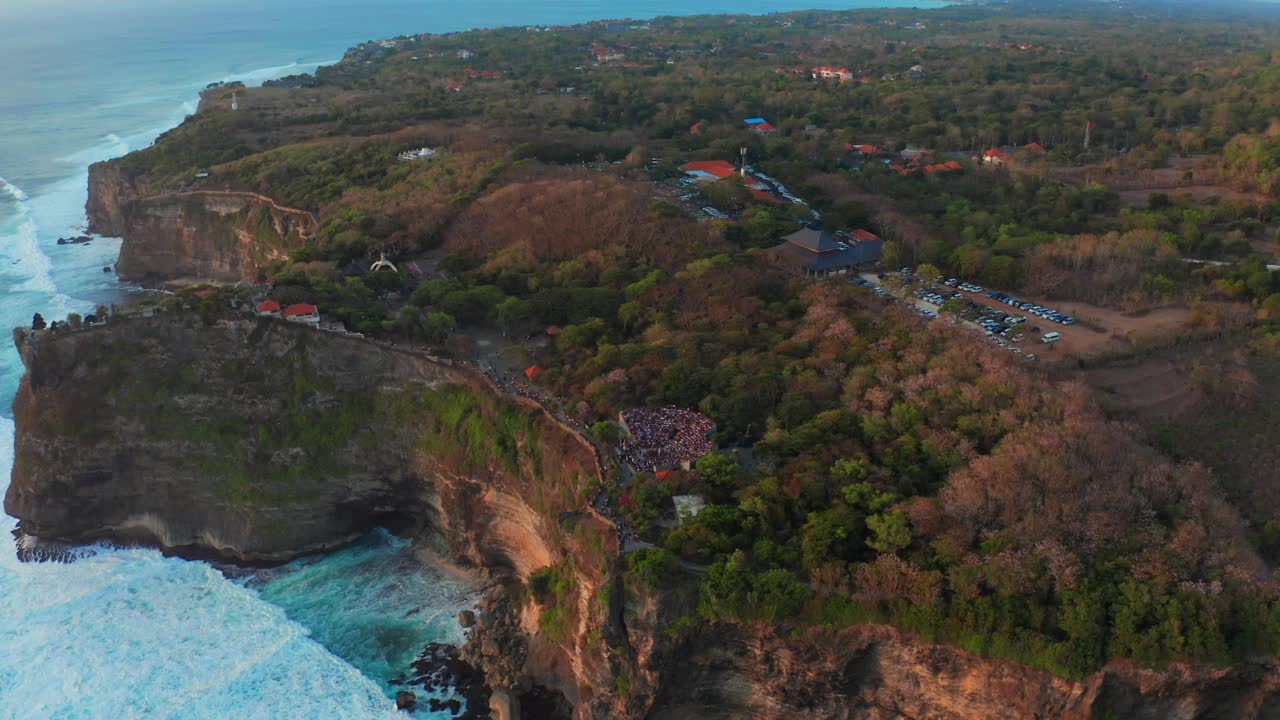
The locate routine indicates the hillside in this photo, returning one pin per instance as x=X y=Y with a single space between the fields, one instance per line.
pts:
x=918 y=451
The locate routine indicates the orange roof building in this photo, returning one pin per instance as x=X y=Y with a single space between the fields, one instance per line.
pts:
x=533 y=371
x=995 y=156
x=718 y=169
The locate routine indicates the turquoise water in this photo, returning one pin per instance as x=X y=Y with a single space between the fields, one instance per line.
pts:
x=130 y=633
x=371 y=604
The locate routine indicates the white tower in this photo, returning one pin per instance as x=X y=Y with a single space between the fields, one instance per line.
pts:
x=742 y=152
x=235 y=104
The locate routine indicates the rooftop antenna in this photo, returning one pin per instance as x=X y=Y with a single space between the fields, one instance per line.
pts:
x=235 y=104
x=742 y=152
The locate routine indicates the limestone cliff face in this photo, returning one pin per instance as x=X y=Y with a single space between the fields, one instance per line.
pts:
x=217 y=235
x=111 y=190
x=165 y=431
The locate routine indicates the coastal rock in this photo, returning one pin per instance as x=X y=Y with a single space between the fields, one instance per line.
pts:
x=466 y=618
x=505 y=705
x=406 y=700
x=439 y=670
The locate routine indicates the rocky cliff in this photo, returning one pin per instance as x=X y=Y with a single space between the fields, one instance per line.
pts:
x=256 y=440
x=218 y=235
x=878 y=673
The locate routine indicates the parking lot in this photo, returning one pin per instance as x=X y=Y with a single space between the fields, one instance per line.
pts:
x=1009 y=323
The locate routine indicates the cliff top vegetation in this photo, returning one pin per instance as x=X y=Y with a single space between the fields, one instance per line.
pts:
x=897 y=470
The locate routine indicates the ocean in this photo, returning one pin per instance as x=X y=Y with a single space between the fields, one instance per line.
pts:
x=130 y=633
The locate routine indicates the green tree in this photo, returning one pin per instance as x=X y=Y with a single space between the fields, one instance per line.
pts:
x=835 y=534
x=890 y=532
x=720 y=469
x=606 y=431
x=928 y=271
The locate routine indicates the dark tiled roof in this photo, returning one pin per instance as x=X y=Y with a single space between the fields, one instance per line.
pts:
x=794 y=255
x=813 y=240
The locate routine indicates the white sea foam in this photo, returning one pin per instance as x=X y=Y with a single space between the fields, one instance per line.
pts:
x=23 y=245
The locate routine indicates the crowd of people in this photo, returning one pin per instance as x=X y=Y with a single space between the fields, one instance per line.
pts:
x=665 y=437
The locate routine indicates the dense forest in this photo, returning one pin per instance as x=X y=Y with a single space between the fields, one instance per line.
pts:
x=874 y=468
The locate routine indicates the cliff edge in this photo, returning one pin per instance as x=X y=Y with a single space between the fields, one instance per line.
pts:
x=191 y=234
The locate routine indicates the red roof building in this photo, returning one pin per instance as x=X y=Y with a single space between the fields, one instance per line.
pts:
x=553 y=330
x=269 y=307
x=533 y=371
x=299 y=309
x=995 y=156
x=1036 y=148
x=867 y=150
x=762 y=195
x=716 y=168
x=861 y=234
x=942 y=167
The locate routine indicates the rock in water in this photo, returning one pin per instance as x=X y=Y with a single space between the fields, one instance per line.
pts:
x=406 y=700
x=439 y=670
x=466 y=618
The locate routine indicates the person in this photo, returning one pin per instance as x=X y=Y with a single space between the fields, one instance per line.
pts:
x=37 y=322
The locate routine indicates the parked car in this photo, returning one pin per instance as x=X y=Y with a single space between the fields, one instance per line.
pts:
x=1050 y=338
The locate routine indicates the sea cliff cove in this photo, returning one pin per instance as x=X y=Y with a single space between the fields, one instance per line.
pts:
x=859 y=362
